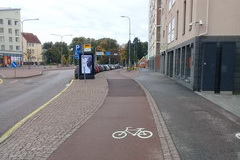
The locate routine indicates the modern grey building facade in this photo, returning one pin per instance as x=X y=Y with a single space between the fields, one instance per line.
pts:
x=200 y=44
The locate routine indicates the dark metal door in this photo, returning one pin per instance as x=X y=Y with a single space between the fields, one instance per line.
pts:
x=209 y=66
x=227 y=66
x=218 y=66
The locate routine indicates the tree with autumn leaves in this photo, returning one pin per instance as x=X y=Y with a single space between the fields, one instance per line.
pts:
x=119 y=53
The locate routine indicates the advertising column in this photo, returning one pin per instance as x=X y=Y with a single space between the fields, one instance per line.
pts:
x=86 y=63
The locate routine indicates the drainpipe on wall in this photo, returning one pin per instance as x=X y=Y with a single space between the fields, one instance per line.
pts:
x=207 y=15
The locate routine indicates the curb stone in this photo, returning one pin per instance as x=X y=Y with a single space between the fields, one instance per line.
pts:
x=169 y=149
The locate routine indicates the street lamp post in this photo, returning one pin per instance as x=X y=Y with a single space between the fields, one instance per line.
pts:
x=24 y=20
x=61 y=43
x=134 y=51
x=129 y=46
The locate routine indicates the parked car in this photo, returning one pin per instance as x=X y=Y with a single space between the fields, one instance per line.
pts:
x=112 y=66
x=101 y=68
x=107 y=68
x=97 y=68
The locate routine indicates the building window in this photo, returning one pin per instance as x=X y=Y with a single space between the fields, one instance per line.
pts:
x=30 y=44
x=1 y=21
x=191 y=14
x=17 y=39
x=11 y=47
x=1 y=30
x=2 y=47
x=10 y=39
x=16 y=23
x=2 y=39
x=17 y=48
x=169 y=33
x=170 y=4
x=171 y=29
x=10 y=30
x=177 y=21
x=184 y=16
x=9 y=22
x=16 y=32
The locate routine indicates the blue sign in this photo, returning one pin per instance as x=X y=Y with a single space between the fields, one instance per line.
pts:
x=108 y=53
x=77 y=49
x=76 y=56
x=14 y=64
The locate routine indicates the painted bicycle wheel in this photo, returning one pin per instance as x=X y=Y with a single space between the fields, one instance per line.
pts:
x=119 y=134
x=145 y=134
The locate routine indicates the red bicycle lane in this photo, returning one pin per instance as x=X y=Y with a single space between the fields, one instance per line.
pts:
x=125 y=106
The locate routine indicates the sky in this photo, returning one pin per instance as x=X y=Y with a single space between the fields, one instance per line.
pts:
x=87 y=18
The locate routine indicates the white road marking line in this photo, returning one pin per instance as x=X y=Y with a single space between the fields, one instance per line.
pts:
x=13 y=81
x=237 y=135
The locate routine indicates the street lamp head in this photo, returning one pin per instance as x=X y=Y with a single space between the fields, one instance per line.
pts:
x=61 y=35
x=125 y=17
x=34 y=19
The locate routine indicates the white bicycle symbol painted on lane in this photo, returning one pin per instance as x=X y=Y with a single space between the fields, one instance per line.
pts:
x=140 y=132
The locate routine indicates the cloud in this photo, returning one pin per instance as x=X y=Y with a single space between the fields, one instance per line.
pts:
x=93 y=18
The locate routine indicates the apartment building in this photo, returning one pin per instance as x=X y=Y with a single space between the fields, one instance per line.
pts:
x=10 y=36
x=200 y=43
x=154 y=34
x=32 y=49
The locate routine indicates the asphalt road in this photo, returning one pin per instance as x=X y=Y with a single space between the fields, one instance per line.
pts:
x=19 y=97
x=200 y=129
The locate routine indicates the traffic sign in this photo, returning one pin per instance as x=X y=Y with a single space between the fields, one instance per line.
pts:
x=108 y=53
x=99 y=53
x=77 y=49
x=76 y=56
x=14 y=64
x=87 y=47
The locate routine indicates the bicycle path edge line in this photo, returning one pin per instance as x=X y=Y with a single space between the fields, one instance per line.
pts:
x=20 y=123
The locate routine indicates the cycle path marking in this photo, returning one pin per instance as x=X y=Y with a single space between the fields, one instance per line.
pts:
x=125 y=105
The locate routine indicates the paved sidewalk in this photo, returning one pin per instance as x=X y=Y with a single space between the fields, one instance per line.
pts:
x=225 y=100
x=38 y=137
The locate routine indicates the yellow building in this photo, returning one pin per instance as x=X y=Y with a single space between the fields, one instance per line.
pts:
x=32 y=49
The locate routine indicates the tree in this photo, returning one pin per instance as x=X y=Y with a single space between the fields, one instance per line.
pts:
x=56 y=53
x=138 y=50
x=108 y=45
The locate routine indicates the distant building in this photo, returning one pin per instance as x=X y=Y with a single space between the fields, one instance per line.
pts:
x=154 y=34
x=10 y=36
x=200 y=43
x=32 y=49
